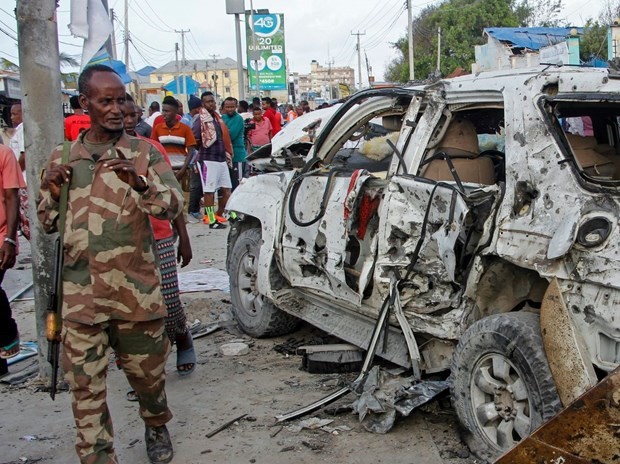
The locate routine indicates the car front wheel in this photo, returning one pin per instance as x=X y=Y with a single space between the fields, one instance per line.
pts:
x=255 y=314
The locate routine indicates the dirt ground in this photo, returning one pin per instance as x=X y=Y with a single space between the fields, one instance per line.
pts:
x=261 y=384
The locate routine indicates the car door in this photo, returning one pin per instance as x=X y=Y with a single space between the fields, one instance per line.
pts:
x=431 y=231
x=315 y=228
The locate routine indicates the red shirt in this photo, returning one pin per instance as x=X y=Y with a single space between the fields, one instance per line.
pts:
x=161 y=227
x=275 y=119
x=75 y=124
x=160 y=119
x=176 y=140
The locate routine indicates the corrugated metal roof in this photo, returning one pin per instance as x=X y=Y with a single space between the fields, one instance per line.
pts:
x=533 y=38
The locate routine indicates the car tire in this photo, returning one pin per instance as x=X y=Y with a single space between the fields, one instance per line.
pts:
x=255 y=314
x=502 y=387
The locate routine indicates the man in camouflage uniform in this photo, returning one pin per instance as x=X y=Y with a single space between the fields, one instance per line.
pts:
x=111 y=282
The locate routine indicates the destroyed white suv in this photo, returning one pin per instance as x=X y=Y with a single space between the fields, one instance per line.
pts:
x=490 y=231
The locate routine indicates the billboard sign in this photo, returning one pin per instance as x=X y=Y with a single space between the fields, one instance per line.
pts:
x=269 y=52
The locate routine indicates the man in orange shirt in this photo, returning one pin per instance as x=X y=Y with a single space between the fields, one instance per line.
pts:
x=176 y=137
x=77 y=122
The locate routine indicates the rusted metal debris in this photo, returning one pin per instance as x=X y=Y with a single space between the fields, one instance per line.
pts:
x=587 y=431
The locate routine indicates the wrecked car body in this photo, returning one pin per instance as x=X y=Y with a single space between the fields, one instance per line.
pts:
x=489 y=207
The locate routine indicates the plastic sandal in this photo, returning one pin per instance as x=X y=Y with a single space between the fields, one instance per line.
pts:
x=185 y=357
x=10 y=350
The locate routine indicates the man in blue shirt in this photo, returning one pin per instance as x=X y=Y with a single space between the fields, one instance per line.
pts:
x=234 y=122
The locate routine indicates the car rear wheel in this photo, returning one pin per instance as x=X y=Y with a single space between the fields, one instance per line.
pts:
x=255 y=314
x=502 y=388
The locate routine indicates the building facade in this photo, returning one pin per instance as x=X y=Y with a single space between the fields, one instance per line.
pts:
x=217 y=75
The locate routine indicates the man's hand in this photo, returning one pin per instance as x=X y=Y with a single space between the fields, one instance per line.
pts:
x=7 y=256
x=55 y=177
x=180 y=173
x=126 y=171
x=184 y=254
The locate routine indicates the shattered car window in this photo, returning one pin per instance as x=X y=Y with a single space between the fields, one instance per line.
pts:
x=589 y=135
x=470 y=148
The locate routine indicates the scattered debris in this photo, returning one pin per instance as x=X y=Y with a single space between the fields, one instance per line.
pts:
x=312 y=423
x=382 y=394
x=133 y=442
x=276 y=431
x=234 y=349
x=36 y=438
x=287 y=448
x=331 y=359
x=225 y=426
x=30 y=370
x=203 y=280
x=314 y=445
x=198 y=329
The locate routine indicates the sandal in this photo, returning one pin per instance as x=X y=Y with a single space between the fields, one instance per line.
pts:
x=10 y=350
x=185 y=358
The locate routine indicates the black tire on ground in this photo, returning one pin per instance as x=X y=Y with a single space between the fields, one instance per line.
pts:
x=502 y=388
x=255 y=314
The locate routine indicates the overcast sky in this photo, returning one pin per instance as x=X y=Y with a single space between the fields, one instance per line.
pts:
x=314 y=29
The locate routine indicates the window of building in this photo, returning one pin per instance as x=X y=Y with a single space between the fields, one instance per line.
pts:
x=227 y=90
x=159 y=78
x=226 y=74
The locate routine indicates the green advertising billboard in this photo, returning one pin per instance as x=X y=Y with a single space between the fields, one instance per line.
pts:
x=269 y=39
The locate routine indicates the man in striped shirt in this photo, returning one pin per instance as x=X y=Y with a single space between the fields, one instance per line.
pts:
x=176 y=137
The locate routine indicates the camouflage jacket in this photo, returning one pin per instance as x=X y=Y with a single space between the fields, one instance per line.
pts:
x=110 y=266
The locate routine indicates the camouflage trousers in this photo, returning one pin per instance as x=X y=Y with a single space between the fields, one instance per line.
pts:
x=142 y=348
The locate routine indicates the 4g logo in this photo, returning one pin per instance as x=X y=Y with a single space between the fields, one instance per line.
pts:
x=266 y=25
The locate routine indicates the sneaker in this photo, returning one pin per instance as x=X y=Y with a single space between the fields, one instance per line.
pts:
x=221 y=219
x=217 y=225
x=192 y=219
x=158 y=444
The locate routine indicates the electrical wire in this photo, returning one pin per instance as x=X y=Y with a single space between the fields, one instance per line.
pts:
x=150 y=24
x=8 y=34
x=379 y=40
x=8 y=54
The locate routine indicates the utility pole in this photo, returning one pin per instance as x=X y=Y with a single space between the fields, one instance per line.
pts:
x=215 y=77
x=359 y=55
x=111 y=42
x=176 y=61
x=256 y=53
x=37 y=33
x=237 y=7
x=127 y=34
x=410 y=36
x=183 y=83
x=330 y=62
x=438 y=48
x=240 y=76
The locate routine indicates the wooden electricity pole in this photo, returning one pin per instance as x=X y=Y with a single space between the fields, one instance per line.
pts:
x=39 y=67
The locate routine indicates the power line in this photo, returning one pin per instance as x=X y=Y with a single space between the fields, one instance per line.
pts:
x=150 y=22
x=158 y=17
x=8 y=54
x=8 y=35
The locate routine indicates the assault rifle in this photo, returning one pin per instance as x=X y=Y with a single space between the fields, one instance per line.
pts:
x=53 y=321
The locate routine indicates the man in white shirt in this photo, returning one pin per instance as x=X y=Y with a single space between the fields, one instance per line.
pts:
x=17 y=141
x=153 y=113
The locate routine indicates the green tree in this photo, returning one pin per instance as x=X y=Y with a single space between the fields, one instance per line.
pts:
x=593 y=42
x=462 y=23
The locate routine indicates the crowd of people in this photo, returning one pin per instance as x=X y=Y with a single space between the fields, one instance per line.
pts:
x=127 y=178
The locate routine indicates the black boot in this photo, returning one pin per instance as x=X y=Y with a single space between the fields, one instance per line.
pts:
x=158 y=444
